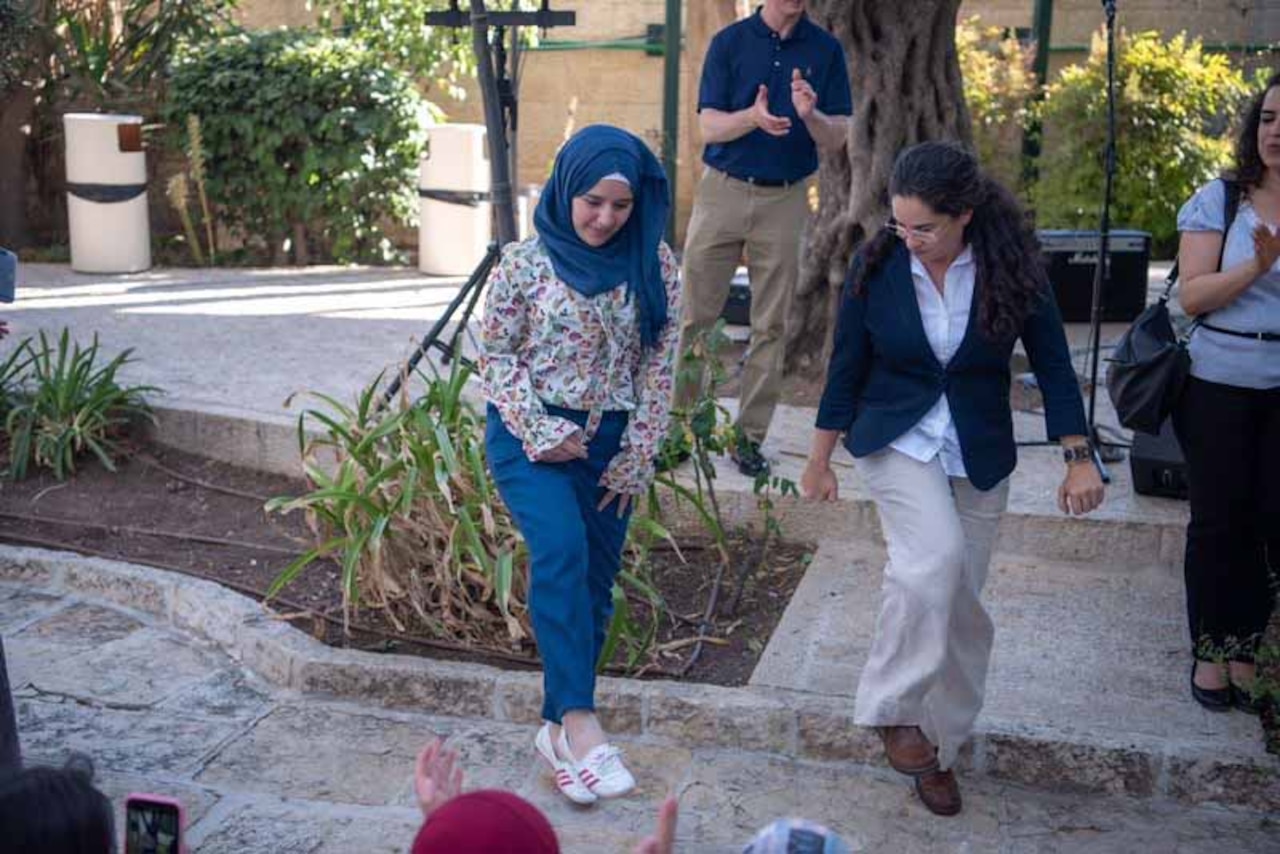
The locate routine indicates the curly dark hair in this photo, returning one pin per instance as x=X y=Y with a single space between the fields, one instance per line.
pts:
x=1011 y=277
x=1248 y=166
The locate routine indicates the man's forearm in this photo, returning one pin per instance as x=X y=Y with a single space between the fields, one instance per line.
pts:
x=829 y=132
x=717 y=126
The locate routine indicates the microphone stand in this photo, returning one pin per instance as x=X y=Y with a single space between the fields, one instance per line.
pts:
x=1103 y=452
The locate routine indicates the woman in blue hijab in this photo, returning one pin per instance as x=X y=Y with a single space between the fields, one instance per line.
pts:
x=578 y=359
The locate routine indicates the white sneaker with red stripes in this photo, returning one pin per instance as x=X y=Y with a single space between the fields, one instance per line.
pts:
x=601 y=769
x=564 y=772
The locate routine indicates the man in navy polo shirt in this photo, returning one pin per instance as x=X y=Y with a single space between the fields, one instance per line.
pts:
x=775 y=88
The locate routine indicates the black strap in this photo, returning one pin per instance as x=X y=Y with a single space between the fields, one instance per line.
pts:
x=1253 y=336
x=106 y=193
x=1231 y=206
x=466 y=198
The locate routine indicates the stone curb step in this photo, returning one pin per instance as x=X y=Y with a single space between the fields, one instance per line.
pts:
x=272 y=446
x=792 y=724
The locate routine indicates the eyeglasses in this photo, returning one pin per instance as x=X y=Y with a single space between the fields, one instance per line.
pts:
x=922 y=234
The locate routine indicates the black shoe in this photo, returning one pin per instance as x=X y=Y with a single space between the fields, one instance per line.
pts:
x=1213 y=699
x=1246 y=701
x=749 y=459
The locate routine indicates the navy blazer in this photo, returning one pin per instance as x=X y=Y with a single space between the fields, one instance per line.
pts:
x=884 y=377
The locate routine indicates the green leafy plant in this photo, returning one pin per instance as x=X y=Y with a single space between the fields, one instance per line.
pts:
x=12 y=370
x=704 y=429
x=309 y=141
x=68 y=403
x=402 y=500
x=1173 y=100
x=112 y=54
x=999 y=86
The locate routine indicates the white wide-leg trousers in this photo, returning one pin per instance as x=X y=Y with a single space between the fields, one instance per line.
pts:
x=928 y=662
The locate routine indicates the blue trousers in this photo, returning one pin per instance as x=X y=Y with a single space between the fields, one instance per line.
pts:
x=574 y=552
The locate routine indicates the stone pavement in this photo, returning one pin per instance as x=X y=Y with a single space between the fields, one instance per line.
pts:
x=261 y=768
x=1087 y=690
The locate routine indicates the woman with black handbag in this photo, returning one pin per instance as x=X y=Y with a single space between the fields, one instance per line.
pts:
x=1228 y=419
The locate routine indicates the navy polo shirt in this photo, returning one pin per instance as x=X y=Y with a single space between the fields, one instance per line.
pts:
x=748 y=53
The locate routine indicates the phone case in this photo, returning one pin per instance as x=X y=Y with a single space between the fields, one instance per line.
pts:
x=148 y=798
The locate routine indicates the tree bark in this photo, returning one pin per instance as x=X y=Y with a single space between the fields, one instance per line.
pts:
x=17 y=110
x=705 y=19
x=906 y=89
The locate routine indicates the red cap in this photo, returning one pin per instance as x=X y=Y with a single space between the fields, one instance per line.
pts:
x=486 y=822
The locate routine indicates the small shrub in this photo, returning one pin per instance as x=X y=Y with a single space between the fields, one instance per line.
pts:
x=999 y=85
x=411 y=514
x=309 y=140
x=1172 y=102
x=63 y=403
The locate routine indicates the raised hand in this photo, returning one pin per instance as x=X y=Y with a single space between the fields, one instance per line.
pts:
x=663 y=841
x=1266 y=247
x=572 y=448
x=803 y=98
x=765 y=120
x=437 y=777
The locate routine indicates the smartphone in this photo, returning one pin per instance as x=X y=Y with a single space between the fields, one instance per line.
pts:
x=153 y=824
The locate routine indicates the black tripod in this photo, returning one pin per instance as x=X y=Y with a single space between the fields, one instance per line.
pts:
x=498 y=91
x=1104 y=452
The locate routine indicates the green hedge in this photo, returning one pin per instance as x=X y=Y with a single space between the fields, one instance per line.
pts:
x=1173 y=105
x=303 y=133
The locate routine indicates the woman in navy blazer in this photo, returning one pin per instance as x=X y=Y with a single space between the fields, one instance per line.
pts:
x=918 y=384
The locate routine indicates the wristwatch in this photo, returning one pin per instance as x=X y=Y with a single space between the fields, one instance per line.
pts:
x=1077 y=453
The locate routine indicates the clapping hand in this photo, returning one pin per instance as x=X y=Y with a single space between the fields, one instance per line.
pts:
x=572 y=448
x=803 y=98
x=1266 y=247
x=765 y=120
x=437 y=777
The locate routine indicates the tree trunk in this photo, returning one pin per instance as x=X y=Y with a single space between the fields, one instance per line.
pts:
x=705 y=19
x=906 y=89
x=17 y=108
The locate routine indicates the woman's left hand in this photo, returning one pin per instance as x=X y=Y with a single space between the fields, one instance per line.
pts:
x=1081 y=489
x=624 y=501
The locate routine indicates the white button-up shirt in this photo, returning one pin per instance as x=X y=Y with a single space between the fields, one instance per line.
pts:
x=946 y=319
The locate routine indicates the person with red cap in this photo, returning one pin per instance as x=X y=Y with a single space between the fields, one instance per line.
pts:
x=495 y=822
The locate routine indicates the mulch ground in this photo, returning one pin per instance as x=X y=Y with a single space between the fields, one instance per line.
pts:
x=204 y=518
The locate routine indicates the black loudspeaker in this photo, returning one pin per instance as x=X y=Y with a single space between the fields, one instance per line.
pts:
x=1072 y=257
x=737 y=306
x=1157 y=464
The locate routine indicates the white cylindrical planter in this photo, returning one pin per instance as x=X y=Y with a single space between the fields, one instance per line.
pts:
x=453 y=183
x=107 y=194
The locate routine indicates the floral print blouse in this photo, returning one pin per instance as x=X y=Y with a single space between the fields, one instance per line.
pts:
x=545 y=343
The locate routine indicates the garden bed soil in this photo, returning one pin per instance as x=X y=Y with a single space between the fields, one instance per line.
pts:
x=153 y=510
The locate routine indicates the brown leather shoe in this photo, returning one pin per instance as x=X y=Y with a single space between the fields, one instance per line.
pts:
x=908 y=750
x=939 y=791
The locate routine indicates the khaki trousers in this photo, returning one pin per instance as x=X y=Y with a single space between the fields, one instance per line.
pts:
x=928 y=661
x=728 y=216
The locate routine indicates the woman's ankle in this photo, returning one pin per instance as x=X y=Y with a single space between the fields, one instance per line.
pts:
x=1211 y=675
x=1242 y=673
x=583 y=733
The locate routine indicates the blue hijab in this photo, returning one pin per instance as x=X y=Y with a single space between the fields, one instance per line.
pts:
x=631 y=255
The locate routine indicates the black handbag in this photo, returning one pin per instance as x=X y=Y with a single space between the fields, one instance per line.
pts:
x=1150 y=363
x=1148 y=367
